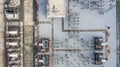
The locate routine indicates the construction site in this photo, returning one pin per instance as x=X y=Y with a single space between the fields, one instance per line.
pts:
x=59 y=33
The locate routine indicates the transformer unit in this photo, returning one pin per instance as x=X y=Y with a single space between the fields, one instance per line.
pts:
x=43 y=45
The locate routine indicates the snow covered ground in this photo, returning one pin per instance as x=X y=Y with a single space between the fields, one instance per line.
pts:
x=83 y=40
x=45 y=31
x=81 y=19
x=88 y=19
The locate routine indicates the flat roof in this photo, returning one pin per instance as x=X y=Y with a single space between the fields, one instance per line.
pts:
x=56 y=8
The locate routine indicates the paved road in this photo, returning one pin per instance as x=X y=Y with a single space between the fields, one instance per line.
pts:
x=28 y=12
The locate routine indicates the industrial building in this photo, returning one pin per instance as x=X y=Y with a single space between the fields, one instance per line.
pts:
x=13 y=46
x=56 y=8
x=42 y=56
x=43 y=45
x=11 y=9
x=13 y=36
x=101 y=50
x=42 y=61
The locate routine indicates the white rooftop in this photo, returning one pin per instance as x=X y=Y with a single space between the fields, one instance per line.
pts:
x=13 y=55
x=56 y=8
x=13 y=43
x=13 y=32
